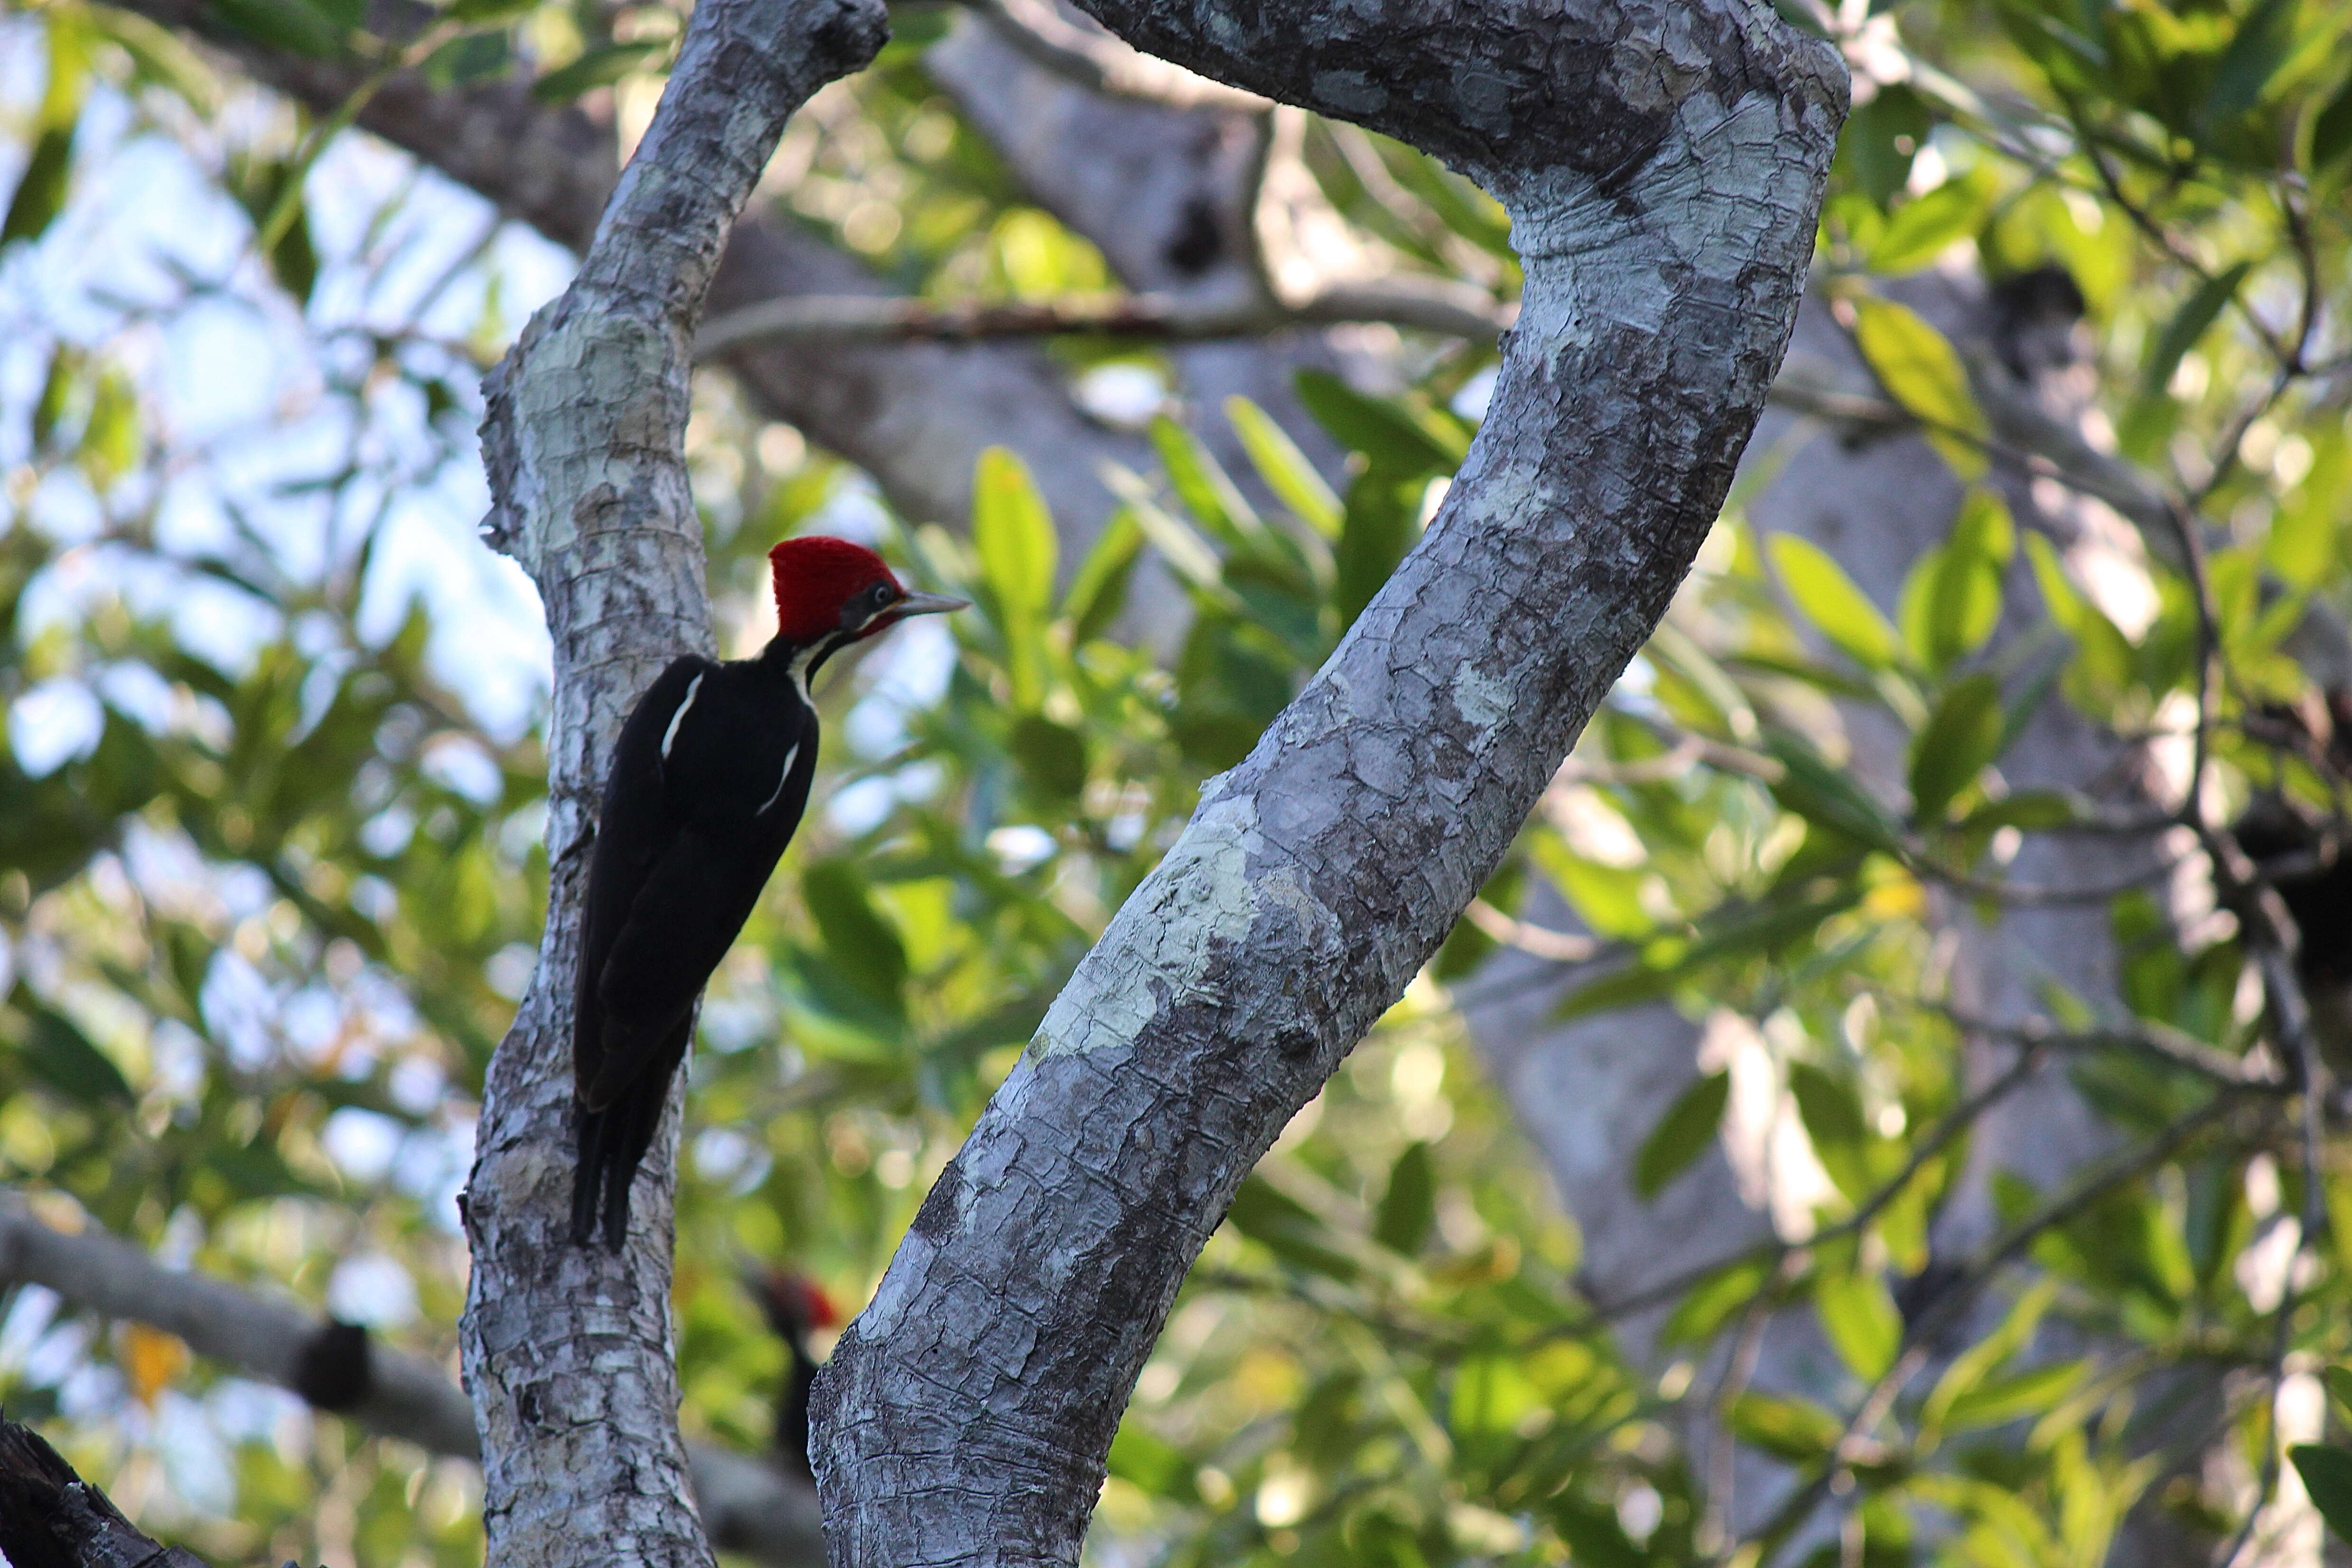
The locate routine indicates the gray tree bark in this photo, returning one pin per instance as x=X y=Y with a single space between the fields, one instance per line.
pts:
x=1662 y=166
x=567 y=1349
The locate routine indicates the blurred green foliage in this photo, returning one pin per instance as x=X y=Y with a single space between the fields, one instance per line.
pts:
x=264 y=925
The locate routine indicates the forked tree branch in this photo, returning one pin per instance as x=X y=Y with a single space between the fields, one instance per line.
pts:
x=1663 y=164
x=567 y=1349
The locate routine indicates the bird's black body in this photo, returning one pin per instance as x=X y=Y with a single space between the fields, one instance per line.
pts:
x=709 y=780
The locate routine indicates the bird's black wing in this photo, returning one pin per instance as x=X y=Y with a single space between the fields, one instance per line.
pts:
x=636 y=830
x=735 y=781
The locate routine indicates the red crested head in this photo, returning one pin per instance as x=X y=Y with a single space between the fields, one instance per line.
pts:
x=817 y=578
x=827 y=585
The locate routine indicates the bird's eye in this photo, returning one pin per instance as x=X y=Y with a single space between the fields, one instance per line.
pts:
x=881 y=595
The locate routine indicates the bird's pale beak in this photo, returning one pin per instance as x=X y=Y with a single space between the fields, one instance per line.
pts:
x=927 y=605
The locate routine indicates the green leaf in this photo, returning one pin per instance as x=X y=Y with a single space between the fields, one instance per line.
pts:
x=2327 y=1473
x=2031 y=810
x=1053 y=756
x=481 y=11
x=1973 y=1365
x=1207 y=492
x=2339 y=1384
x=1998 y=1401
x=1882 y=139
x=41 y=189
x=1284 y=468
x=1925 y=226
x=61 y=1055
x=1830 y=599
x=1952 y=598
x=597 y=67
x=1389 y=435
x=1382 y=520
x=1789 y=1429
x=2331 y=133
x=2264 y=40
x=287 y=24
x=65 y=369
x=1682 y=1134
x=2188 y=325
x=1287 y=1229
x=1920 y=371
x=1859 y=1317
x=862 y=947
x=1714 y=1299
x=1808 y=787
x=1156 y=1466
x=110 y=440
x=1593 y=1535
x=1960 y=739
x=1833 y=1117
x=1014 y=539
x=1099 y=591
x=1408 y=1211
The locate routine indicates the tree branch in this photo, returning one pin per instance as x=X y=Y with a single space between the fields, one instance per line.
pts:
x=1099 y=62
x=1430 y=305
x=747 y=1505
x=1663 y=194
x=567 y=1348
x=51 y=1517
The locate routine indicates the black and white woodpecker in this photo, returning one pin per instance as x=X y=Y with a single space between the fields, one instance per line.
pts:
x=710 y=778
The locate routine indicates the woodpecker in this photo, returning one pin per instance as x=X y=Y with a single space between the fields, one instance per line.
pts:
x=710 y=778
x=794 y=1307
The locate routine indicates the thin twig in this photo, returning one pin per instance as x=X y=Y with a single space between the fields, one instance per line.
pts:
x=1434 y=305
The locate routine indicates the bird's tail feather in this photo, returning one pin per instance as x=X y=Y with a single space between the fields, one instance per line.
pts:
x=613 y=1141
x=588 y=1171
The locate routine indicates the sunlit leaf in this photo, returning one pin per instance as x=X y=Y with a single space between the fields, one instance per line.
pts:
x=1830 y=599
x=1920 y=371
x=1284 y=468
x=1789 y=1429
x=1859 y=1318
x=1014 y=539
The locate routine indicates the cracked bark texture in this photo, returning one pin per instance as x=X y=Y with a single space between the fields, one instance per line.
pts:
x=567 y=1350
x=1662 y=166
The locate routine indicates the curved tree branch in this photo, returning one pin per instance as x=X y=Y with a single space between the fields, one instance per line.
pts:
x=1663 y=166
x=567 y=1349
